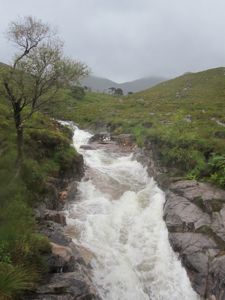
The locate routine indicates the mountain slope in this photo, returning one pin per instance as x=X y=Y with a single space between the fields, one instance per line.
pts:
x=99 y=84
x=184 y=117
x=141 y=84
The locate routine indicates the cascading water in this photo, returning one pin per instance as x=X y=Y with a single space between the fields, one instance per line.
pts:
x=119 y=218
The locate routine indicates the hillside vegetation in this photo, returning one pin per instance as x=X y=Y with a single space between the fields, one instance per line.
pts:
x=184 y=118
x=48 y=154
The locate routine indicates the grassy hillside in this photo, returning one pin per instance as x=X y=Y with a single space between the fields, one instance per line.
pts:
x=184 y=117
x=47 y=154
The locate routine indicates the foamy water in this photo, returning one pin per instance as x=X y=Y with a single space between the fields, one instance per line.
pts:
x=119 y=217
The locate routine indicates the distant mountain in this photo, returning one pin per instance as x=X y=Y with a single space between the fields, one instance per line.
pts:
x=99 y=84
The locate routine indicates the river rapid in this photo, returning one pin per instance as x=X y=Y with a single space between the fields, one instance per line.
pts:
x=118 y=216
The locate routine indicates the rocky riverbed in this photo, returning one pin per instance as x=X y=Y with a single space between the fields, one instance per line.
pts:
x=69 y=273
x=194 y=213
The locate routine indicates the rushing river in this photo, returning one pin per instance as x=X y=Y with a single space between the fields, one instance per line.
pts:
x=118 y=216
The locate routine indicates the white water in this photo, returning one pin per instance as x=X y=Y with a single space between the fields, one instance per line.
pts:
x=119 y=218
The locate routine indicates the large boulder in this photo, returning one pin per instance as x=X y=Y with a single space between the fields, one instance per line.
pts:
x=62 y=259
x=181 y=215
x=55 y=216
x=88 y=147
x=70 y=270
x=217 y=277
x=103 y=138
x=194 y=213
x=206 y=196
x=66 y=286
x=125 y=139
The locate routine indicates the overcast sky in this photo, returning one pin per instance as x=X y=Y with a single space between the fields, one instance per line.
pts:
x=128 y=39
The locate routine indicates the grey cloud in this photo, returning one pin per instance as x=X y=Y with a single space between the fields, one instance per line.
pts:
x=127 y=39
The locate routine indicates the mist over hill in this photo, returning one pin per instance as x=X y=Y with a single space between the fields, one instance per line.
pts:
x=99 y=84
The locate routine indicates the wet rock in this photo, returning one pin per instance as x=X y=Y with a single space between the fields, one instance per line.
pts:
x=218 y=223
x=76 y=169
x=55 y=233
x=86 y=255
x=195 y=250
x=208 y=197
x=87 y=147
x=62 y=259
x=148 y=157
x=124 y=139
x=194 y=213
x=188 y=243
x=182 y=216
x=100 y=138
x=70 y=270
x=67 y=286
x=217 y=278
x=55 y=216
x=72 y=190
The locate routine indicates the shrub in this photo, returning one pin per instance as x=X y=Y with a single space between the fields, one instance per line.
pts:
x=14 y=280
x=217 y=168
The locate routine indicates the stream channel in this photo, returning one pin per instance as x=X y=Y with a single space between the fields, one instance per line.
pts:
x=118 y=216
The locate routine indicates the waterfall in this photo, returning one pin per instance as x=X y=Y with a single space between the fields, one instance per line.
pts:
x=118 y=216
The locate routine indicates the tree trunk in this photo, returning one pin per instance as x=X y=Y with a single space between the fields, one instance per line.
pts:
x=19 y=133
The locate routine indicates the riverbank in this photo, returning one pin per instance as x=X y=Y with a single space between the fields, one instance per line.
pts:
x=194 y=216
x=184 y=117
x=69 y=274
x=119 y=218
x=194 y=213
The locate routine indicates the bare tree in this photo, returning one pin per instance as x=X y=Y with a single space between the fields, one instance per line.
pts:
x=37 y=72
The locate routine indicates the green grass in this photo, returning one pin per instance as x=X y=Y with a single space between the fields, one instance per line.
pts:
x=48 y=153
x=179 y=116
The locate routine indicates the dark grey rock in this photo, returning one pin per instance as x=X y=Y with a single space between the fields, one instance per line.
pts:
x=204 y=195
x=194 y=213
x=55 y=216
x=67 y=286
x=87 y=147
x=217 y=277
x=100 y=138
x=181 y=215
x=124 y=139
x=218 y=223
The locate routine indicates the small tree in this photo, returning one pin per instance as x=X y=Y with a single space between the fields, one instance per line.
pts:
x=118 y=92
x=78 y=92
x=112 y=90
x=37 y=72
